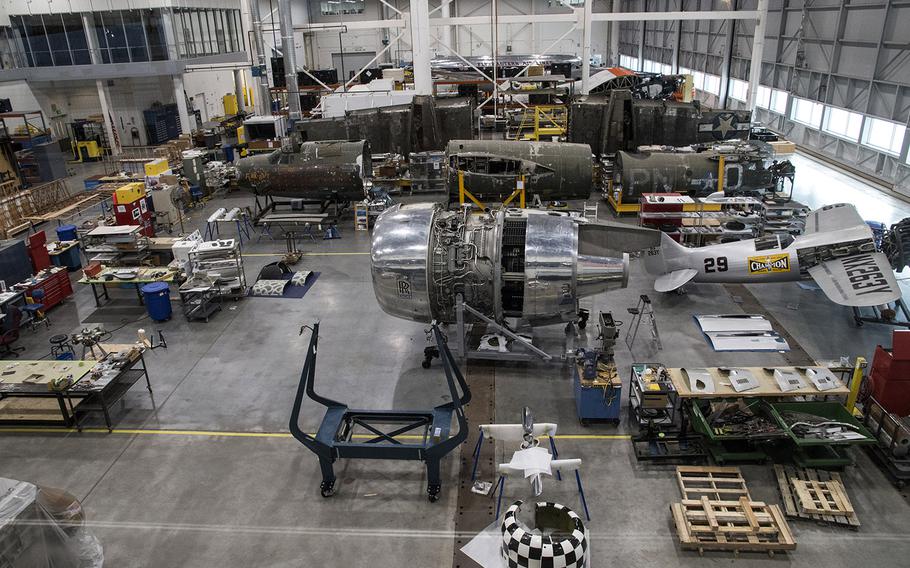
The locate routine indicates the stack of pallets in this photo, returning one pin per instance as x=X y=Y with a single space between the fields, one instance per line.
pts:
x=717 y=513
x=816 y=495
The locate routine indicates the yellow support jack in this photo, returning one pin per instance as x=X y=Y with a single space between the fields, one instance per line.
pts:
x=856 y=381
x=464 y=193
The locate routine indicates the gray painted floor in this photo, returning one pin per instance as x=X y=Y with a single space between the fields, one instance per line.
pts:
x=249 y=496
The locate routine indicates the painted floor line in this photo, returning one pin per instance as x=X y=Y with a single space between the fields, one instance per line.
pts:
x=228 y=434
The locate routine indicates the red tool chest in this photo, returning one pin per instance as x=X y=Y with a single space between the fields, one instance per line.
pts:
x=891 y=374
x=55 y=282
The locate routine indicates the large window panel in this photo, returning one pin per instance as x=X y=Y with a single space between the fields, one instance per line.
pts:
x=37 y=41
x=807 y=112
x=19 y=25
x=712 y=84
x=116 y=37
x=197 y=25
x=154 y=31
x=78 y=43
x=220 y=37
x=884 y=135
x=843 y=123
x=763 y=97
x=778 y=101
x=56 y=39
x=739 y=90
x=135 y=35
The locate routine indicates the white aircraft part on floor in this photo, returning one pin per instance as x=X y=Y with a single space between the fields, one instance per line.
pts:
x=747 y=341
x=742 y=380
x=733 y=322
x=838 y=251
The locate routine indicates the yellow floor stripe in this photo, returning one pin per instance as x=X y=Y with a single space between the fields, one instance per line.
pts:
x=307 y=253
x=227 y=434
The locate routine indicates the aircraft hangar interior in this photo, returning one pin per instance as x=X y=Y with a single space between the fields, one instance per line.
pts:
x=467 y=283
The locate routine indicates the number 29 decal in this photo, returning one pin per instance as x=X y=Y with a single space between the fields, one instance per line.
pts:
x=718 y=264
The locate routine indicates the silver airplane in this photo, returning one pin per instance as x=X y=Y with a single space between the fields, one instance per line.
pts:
x=837 y=250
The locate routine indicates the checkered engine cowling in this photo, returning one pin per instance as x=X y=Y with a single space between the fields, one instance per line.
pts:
x=521 y=547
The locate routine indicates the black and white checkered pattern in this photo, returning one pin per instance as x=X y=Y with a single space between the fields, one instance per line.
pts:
x=528 y=550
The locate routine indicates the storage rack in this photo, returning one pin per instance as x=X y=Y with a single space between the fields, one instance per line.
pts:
x=222 y=262
x=114 y=245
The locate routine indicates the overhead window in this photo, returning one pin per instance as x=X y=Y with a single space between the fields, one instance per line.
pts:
x=884 y=135
x=778 y=101
x=698 y=80
x=712 y=84
x=763 y=97
x=843 y=123
x=807 y=112
x=739 y=90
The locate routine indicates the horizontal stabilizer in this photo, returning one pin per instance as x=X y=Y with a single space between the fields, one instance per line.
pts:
x=860 y=280
x=673 y=280
x=833 y=218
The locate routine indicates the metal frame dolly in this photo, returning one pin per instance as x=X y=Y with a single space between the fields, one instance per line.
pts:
x=345 y=432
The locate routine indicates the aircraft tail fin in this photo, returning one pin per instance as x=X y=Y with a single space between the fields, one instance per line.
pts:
x=671 y=264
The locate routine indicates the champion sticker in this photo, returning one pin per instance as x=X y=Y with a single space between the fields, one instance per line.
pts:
x=769 y=264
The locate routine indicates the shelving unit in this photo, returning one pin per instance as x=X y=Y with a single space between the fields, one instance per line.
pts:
x=116 y=245
x=222 y=262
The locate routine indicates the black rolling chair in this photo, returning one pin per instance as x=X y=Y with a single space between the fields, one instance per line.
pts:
x=11 y=335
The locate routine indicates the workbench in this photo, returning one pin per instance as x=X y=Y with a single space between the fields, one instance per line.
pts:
x=144 y=275
x=28 y=395
x=66 y=254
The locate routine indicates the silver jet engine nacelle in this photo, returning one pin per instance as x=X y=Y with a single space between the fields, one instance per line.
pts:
x=519 y=263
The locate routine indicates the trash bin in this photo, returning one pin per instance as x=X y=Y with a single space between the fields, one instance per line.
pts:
x=157 y=300
x=66 y=232
x=228 y=153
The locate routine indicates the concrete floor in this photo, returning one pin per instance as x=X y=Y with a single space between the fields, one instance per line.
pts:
x=206 y=475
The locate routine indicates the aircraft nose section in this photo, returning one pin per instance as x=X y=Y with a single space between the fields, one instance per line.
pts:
x=596 y=274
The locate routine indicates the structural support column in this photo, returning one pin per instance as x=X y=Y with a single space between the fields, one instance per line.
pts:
x=286 y=24
x=446 y=12
x=419 y=23
x=758 y=49
x=104 y=98
x=586 y=47
x=614 y=35
x=263 y=99
x=179 y=94
x=727 y=62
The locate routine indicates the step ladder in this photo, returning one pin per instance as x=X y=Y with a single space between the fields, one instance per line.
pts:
x=644 y=309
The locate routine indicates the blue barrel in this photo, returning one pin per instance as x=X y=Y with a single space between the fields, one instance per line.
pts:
x=228 y=153
x=66 y=232
x=157 y=300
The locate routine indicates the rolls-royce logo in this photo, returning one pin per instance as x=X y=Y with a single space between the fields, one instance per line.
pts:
x=769 y=263
x=404 y=289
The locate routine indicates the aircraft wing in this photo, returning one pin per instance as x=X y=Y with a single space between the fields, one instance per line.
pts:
x=859 y=280
x=833 y=218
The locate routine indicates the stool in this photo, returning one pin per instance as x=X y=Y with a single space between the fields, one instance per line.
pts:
x=60 y=344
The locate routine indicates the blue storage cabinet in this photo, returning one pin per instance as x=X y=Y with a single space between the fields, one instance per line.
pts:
x=598 y=400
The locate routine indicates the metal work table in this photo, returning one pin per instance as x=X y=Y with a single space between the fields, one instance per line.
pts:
x=59 y=407
x=144 y=276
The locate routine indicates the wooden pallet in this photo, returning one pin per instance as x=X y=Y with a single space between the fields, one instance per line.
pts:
x=822 y=497
x=739 y=526
x=719 y=483
x=787 y=474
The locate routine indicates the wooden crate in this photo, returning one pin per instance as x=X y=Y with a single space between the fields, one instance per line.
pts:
x=738 y=526
x=787 y=474
x=719 y=483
